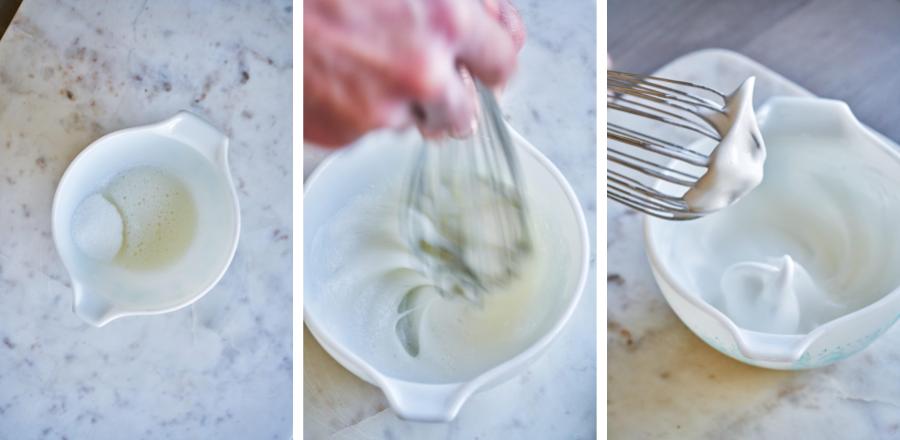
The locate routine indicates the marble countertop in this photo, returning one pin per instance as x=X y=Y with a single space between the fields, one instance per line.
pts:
x=664 y=382
x=551 y=101
x=70 y=72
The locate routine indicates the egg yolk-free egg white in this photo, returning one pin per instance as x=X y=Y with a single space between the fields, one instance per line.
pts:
x=379 y=304
x=143 y=219
x=815 y=241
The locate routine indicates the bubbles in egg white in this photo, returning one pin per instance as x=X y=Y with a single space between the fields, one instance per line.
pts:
x=159 y=216
x=147 y=216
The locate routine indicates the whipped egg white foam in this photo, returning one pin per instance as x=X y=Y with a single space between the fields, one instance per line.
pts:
x=736 y=165
x=816 y=240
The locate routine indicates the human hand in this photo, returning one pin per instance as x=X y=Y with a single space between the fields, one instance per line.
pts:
x=390 y=63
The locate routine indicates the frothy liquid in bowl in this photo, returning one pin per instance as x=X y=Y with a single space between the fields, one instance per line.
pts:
x=144 y=219
x=377 y=302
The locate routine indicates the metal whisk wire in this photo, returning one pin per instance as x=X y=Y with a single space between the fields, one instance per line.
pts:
x=638 y=160
x=466 y=216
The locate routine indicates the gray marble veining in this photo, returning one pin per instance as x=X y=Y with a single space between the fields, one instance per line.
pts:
x=70 y=72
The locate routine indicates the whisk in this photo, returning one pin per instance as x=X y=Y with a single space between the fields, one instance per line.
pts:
x=638 y=157
x=466 y=217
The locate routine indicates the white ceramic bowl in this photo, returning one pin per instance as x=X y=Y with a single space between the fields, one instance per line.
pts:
x=830 y=342
x=349 y=172
x=197 y=153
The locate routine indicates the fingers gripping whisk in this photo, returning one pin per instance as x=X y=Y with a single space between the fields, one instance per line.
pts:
x=466 y=218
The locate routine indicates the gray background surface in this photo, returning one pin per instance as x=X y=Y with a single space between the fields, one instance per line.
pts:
x=847 y=50
x=7 y=11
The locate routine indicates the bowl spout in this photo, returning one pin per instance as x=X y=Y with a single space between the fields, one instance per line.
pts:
x=92 y=307
x=425 y=402
x=768 y=347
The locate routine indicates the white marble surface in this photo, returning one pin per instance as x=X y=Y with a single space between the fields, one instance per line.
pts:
x=70 y=72
x=552 y=102
x=664 y=382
